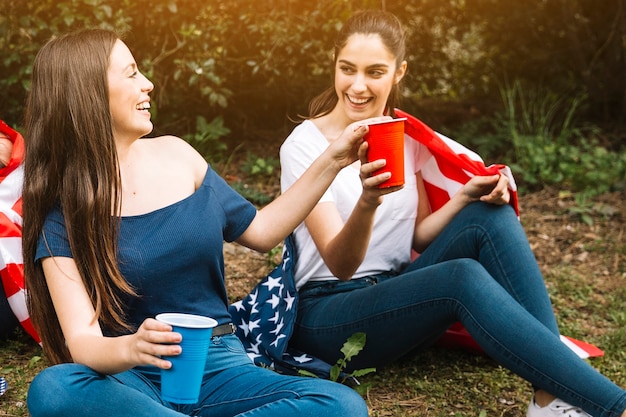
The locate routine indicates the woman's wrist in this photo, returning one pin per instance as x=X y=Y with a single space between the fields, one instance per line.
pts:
x=367 y=203
x=462 y=198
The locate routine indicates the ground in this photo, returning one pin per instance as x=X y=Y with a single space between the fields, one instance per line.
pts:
x=581 y=250
x=580 y=247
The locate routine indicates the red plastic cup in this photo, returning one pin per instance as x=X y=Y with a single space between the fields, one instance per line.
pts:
x=386 y=141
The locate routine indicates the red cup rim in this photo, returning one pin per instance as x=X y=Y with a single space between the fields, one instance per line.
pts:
x=400 y=119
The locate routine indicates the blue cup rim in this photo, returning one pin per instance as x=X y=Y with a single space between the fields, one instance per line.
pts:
x=191 y=321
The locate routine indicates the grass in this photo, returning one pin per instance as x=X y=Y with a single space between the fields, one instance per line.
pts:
x=20 y=360
x=584 y=267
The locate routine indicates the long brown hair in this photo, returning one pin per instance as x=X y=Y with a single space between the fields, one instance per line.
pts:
x=367 y=22
x=71 y=160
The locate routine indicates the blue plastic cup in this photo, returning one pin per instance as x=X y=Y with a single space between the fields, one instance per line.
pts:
x=181 y=383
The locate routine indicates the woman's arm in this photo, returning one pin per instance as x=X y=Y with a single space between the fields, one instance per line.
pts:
x=490 y=189
x=83 y=335
x=343 y=246
x=279 y=218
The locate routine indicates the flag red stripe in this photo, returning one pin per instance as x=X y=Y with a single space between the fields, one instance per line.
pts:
x=12 y=274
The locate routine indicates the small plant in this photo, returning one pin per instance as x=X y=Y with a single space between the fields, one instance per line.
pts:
x=584 y=209
x=260 y=167
x=350 y=349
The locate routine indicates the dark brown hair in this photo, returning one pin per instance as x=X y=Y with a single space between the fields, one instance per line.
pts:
x=378 y=22
x=71 y=161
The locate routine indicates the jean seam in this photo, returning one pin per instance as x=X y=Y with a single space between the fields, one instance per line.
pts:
x=205 y=407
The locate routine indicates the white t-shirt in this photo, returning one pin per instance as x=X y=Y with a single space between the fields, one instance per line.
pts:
x=390 y=244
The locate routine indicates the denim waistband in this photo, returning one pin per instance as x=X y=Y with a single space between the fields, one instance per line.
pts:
x=317 y=288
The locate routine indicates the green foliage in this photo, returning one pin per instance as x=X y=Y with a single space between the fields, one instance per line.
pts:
x=207 y=138
x=257 y=166
x=585 y=209
x=25 y=26
x=258 y=62
x=539 y=134
x=247 y=68
x=251 y=193
x=549 y=149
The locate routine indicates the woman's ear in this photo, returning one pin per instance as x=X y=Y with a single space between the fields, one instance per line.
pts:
x=400 y=72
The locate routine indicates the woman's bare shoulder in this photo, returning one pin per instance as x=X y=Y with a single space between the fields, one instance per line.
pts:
x=170 y=147
x=174 y=152
x=168 y=141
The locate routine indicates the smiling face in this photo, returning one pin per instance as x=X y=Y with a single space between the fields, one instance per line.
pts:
x=129 y=99
x=365 y=72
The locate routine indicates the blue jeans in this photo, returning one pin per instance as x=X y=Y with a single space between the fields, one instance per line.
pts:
x=232 y=386
x=479 y=271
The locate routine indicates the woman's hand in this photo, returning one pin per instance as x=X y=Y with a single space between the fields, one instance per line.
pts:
x=491 y=189
x=6 y=146
x=152 y=340
x=345 y=150
x=372 y=194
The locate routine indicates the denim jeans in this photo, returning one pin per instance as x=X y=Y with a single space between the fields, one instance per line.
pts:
x=480 y=271
x=8 y=321
x=232 y=386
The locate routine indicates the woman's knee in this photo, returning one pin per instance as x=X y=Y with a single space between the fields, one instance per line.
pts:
x=488 y=214
x=50 y=393
x=469 y=274
x=347 y=402
x=328 y=398
x=465 y=268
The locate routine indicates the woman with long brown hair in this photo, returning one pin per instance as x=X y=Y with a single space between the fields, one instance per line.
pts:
x=119 y=227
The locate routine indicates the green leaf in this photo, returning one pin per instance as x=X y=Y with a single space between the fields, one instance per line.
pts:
x=304 y=372
x=353 y=345
x=364 y=371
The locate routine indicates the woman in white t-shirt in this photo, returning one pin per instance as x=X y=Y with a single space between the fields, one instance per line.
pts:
x=354 y=269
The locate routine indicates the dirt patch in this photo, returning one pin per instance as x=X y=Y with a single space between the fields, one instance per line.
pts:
x=559 y=235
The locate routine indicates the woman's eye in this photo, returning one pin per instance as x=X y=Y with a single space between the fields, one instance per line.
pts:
x=134 y=74
x=347 y=70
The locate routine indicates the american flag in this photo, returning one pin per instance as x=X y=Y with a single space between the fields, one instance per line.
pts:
x=11 y=262
x=451 y=164
x=265 y=318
